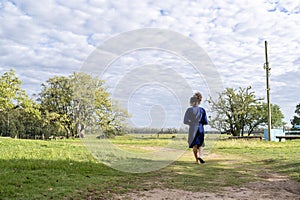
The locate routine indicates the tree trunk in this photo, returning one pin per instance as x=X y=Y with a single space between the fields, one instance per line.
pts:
x=82 y=131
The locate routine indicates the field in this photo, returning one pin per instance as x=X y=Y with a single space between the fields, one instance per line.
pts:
x=65 y=169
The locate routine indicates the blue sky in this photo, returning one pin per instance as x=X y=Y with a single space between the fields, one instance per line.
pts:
x=40 y=39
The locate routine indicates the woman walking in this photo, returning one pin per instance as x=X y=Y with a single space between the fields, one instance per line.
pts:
x=195 y=117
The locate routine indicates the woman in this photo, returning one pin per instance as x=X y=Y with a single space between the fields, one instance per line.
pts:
x=195 y=117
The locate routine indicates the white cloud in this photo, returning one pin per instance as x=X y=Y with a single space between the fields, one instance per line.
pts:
x=43 y=38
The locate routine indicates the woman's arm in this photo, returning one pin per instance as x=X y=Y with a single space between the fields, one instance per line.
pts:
x=186 y=119
x=204 y=120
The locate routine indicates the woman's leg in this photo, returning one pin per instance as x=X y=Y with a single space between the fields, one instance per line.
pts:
x=201 y=151
x=201 y=138
x=195 y=151
x=201 y=154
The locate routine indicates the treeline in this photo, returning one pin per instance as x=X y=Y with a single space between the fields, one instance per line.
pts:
x=67 y=106
x=148 y=130
x=71 y=106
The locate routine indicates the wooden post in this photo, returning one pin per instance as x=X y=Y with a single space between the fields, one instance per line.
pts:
x=268 y=90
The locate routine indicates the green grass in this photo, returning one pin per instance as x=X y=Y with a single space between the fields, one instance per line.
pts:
x=65 y=169
x=282 y=157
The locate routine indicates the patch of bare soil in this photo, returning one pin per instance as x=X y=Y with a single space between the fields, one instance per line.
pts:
x=276 y=187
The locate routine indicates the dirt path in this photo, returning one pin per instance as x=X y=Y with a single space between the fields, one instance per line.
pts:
x=276 y=187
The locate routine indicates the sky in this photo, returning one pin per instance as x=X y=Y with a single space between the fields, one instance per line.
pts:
x=42 y=39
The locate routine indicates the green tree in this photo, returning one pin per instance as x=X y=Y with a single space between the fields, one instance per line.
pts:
x=89 y=95
x=276 y=116
x=260 y=117
x=13 y=101
x=55 y=99
x=240 y=111
x=72 y=104
x=296 y=119
x=94 y=108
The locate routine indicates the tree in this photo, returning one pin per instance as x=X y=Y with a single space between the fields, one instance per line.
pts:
x=240 y=111
x=13 y=101
x=55 y=99
x=260 y=117
x=296 y=119
x=73 y=104
x=276 y=116
x=93 y=107
x=83 y=101
x=11 y=94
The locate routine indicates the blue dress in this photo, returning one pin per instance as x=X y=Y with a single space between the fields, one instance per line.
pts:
x=195 y=117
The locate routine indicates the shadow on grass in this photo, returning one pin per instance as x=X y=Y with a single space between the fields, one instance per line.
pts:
x=48 y=179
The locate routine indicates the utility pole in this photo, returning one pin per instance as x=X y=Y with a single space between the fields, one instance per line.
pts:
x=266 y=66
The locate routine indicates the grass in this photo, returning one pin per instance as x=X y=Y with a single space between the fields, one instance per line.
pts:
x=65 y=169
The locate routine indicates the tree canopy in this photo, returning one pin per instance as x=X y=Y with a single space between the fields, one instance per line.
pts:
x=17 y=110
x=78 y=102
x=237 y=111
x=66 y=106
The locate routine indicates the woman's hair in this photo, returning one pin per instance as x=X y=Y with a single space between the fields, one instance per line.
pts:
x=198 y=95
x=193 y=101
